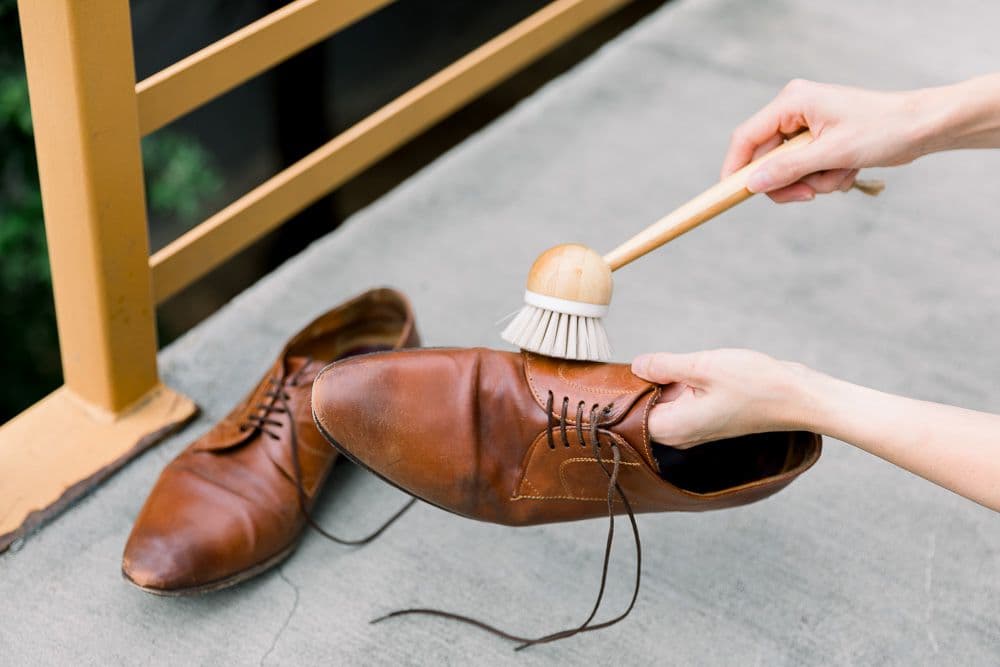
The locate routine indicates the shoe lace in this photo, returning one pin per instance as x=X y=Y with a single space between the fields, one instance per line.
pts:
x=261 y=421
x=597 y=416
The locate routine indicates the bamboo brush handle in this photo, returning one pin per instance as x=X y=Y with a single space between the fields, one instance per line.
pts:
x=720 y=197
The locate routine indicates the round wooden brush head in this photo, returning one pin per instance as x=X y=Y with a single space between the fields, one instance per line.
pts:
x=569 y=289
x=572 y=272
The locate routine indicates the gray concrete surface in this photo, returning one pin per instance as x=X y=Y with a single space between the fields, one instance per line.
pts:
x=856 y=563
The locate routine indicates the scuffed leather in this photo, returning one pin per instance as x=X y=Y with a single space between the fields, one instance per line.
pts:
x=465 y=429
x=228 y=503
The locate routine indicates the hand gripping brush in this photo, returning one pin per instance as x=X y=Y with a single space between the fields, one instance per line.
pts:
x=569 y=286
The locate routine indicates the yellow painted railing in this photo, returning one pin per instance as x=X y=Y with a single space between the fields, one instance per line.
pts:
x=89 y=114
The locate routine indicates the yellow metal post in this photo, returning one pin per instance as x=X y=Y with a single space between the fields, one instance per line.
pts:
x=81 y=81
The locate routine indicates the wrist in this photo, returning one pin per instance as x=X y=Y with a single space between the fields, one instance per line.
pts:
x=806 y=399
x=962 y=115
x=933 y=120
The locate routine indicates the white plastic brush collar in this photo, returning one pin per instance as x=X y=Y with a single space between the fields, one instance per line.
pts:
x=541 y=327
x=566 y=306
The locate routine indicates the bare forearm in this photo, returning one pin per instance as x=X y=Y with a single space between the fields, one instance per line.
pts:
x=955 y=448
x=963 y=115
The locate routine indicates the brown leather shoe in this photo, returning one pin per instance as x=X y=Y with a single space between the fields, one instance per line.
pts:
x=522 y=439
x=235 y=502
x=507 y=438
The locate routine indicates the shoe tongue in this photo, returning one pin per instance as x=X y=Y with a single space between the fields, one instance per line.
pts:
x=229 y=432
x=599 y=384
x=295 y=365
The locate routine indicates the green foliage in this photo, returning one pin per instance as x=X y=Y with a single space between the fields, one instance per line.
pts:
x=179 y=178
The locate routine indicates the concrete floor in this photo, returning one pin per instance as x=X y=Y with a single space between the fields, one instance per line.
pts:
x=857 y=562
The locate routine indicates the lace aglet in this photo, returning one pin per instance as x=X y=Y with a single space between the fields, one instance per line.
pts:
x=381 y=618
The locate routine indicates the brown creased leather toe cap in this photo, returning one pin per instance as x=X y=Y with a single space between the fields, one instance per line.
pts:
x=201 y=524
x=393 y=418
x=509 y=438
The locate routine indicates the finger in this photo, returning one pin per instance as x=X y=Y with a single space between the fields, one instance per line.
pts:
x=828 y=181
x=849 y=179
x=681 y=424
x=667 y=368
x=742 y=150
x=671 y=392
x=768 y=146
x=796 y=192
x=793 y=165
x=779 y=118
x=683 y=446
x=663 y=427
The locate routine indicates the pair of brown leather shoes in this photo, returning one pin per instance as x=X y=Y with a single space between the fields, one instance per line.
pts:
x=509 y=438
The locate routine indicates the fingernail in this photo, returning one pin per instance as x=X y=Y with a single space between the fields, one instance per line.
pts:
x=759 y=181
x=804 y=196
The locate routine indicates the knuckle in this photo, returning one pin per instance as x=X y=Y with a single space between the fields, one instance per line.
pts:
x=786 y=172
x=795 y=86
x=701 y=365
x=739 y=135
x=825 y=185
x=797 y=367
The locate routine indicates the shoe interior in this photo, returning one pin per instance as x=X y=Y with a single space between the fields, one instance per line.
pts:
x=725 y=464
x=379 y=331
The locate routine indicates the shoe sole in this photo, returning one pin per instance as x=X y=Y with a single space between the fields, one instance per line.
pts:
x=218 y=584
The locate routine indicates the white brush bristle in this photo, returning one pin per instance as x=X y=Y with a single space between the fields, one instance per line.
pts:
x=556 y=334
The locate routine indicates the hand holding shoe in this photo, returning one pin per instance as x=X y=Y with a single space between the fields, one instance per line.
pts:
x=729 y=393
x=719 y=394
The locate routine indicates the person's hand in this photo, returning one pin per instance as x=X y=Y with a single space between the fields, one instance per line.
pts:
x=720 y=394
x=852 y=128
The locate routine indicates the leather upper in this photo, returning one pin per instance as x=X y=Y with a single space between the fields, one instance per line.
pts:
x=229 y=502
x=471 y=431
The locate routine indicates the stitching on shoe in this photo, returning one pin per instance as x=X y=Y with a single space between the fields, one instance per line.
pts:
x=645 y=421
x=534 y=489
x=603 y=500
x=531 y=380
x=529 y=376
x=525 y=462
x=538 y=495
x=525 y=482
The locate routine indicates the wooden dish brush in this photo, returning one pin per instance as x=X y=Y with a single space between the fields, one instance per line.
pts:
x=569 y=286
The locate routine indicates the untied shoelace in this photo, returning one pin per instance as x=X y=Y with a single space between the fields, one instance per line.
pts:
x=614 y=489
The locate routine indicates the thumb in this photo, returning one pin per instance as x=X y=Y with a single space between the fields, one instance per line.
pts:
x=667 y=368
x=683 y=423
x=790 y=166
